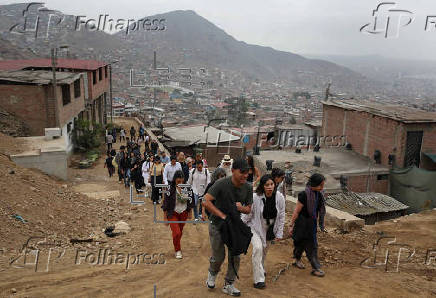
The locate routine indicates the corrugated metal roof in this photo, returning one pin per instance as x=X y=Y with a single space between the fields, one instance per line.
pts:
x=363 y=203
x=395 y=112
x=172 y=144
x=39 y=77
x=196 y=133
x=60 y=63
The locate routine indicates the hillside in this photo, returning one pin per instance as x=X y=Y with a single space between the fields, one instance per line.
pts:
x=9 y=51
x=189 y=40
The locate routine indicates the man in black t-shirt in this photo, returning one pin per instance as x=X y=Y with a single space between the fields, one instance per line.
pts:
x=239 y=192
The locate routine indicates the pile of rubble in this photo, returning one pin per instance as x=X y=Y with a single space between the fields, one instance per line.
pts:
x=35 y=204
x=12 y=126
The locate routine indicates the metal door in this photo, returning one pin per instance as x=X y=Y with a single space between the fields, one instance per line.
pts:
x=413 y=148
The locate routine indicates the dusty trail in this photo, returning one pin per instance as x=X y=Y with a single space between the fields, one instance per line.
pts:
x=340 y=256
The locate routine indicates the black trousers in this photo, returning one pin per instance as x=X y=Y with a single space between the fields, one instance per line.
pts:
x=155 y=195
x=111 y=171
x=120 y=174
x=137 y=178
x=311 y=250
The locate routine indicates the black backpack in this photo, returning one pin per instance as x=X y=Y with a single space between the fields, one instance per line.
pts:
x=196 y=169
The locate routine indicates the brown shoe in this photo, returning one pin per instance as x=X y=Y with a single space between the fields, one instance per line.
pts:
x=299 y=264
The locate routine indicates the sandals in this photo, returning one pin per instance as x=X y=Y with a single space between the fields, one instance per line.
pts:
x=299 y=265
x=318 y=273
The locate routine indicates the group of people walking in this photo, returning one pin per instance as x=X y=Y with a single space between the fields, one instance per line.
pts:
x=240 y=217
x=243 y=207
x=264 y=213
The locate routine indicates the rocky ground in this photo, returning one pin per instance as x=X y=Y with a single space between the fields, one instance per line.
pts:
x=11 y=125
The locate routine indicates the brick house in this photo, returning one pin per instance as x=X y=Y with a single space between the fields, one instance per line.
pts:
x=407 y=134
x=95 y=76
x=29 y=96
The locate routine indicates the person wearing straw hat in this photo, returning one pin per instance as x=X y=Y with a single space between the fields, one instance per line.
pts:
x=226 y=165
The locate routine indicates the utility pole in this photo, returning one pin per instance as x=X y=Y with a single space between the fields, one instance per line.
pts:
x=327 y=92
x=154 y=88
x=256 y=149
x=110 y=87
x=55 y=98
x=110 y=91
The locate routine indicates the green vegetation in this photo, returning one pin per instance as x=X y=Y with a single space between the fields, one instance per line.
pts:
x=85 y=137
x=110 y=126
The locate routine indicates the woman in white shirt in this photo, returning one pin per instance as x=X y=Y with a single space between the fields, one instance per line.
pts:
x=122 y=134
x=266 y=220
x=146 y=173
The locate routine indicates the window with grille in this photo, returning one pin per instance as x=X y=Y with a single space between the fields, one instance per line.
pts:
x=77 y=88
x=66 y=96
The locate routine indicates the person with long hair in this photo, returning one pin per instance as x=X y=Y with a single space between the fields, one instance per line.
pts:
x=199 y=178
x=125 y=168
x=309 y=210
x=136 y=175
x=177 y=207
x=182 y=161
x=253 y=171
x=279 y=177
x=146 y=166
x=156 y=177
x=266 y=220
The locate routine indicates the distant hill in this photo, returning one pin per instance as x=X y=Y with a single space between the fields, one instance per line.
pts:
x=10 y=51
x=193 y=40
x=188 y=40
x=84 y=43
x=402 y=77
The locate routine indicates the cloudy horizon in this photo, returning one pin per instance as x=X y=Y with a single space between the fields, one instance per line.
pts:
x=309 y=28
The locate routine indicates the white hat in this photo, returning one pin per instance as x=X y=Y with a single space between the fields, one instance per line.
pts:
x=227 y=158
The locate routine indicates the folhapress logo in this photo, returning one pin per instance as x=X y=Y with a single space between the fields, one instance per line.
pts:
x=388 y=20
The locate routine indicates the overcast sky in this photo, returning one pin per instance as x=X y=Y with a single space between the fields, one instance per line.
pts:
x=303 y=27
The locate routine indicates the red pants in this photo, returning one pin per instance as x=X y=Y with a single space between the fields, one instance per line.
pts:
x=177 y=228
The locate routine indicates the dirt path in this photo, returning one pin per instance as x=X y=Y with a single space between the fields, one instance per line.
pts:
x=73 y=275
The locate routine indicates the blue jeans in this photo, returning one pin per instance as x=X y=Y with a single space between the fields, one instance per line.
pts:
x=197 y=209
x=127 y=177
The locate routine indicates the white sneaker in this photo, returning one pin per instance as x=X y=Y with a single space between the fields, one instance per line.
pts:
x=179 y=255
x=231 y=290
x=210 y=282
